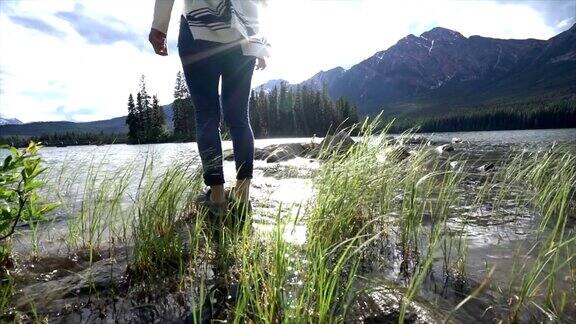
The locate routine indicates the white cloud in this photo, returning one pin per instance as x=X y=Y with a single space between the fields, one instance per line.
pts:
x=41 y=72
x=565 y=23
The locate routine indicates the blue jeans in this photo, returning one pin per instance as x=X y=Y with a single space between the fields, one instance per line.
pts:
x=204 y=64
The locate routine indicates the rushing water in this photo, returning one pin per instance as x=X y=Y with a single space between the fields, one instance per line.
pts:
x=288 y=184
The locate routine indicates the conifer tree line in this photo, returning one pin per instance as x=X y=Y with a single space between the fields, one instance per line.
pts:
x=146 y=121
x=65 y=139
x=528 y=115
x=284 y=111
x=298 y=111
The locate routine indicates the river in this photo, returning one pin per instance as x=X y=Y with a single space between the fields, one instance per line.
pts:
x=288 y=184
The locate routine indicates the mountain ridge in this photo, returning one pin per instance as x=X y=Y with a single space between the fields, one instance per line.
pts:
x=441 y=67
x=9 y=121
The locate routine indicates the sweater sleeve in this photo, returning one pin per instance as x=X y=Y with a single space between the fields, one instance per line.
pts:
x=162 y=12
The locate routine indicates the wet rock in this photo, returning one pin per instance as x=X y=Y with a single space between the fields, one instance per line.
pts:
x=333 y=144
x=485 y=167
x=101 y=276
x=284 y=152
x=340 y=141
x=260 y=154
x=382 y=305
x=399 y=153
x=444 y=148
x=281 y=154
x=417 y=139
x=277 y=152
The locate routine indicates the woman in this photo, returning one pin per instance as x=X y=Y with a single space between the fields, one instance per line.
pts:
x=218 y=39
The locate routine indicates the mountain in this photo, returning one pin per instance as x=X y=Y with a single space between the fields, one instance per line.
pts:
x=442 y=70
x=316 y=82
x=270 y=85
x=109 y=126
x=322 y=78
x=9 y=121
x=438 y=72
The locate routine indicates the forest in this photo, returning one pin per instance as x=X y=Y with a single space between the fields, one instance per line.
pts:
x=526 y=115
x=301 y=111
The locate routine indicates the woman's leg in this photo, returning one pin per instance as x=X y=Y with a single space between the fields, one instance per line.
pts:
x=202 y=78
x=236 y=80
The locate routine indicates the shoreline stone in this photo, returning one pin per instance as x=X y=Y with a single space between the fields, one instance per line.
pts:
x=339 y=143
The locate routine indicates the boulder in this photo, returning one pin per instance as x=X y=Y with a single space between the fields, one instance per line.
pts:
x=382 y=305
x=444 y=148
x=485 y=167
x=399 y=153
x=102 y=275
x=416 y=140
x=260 y=154
x=331 y=144
x=277 y=152
x=281 y=154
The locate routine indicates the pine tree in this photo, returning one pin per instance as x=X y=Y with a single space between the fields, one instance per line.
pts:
x=272 y=105
x=254 y=113
x=144 y=111
x=156 y=122
x=285 y=110
x=139 y=120
x=184 y=113
x=179 y=116
x=131 y=121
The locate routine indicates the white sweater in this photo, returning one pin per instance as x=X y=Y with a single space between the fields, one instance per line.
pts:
x=221 y=21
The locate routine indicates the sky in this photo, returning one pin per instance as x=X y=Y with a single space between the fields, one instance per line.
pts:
x=78 y=60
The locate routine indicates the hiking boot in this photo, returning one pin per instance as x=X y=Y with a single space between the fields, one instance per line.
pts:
x=218 y=210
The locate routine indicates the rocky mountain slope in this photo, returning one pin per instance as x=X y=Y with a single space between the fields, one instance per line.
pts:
x=9 y=121
x=441 y=69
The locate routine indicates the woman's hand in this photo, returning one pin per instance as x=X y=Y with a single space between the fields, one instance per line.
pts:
x=260 y=63
x=158 y=41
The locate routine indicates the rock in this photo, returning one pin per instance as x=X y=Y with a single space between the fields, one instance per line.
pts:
x=417 y=139
x=100 y=276
x=276 y=152
x=260 y=154
x=485 y=167
x=456 y=140
x=444 y=148
x=399 y=153
x=339 y=144
x=454 y=164
x=280 y=154
x=340 y=141
x=382 y=305
x=284 y=152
